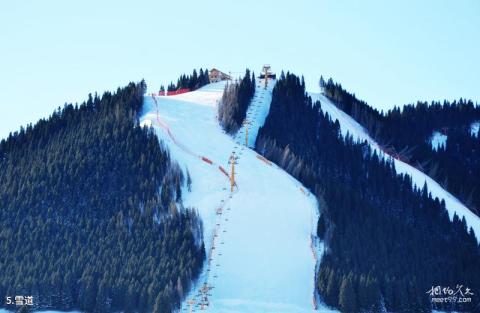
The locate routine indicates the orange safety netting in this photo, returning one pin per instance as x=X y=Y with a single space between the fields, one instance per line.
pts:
x=166 y=128
x=264 y=159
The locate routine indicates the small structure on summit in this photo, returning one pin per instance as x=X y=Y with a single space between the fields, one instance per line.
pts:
x=267 y=72
x=216 y=75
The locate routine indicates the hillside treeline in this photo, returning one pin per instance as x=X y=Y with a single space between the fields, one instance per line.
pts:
x=236 y=98
x=191 y=82
x=387 y=242
x=406 y=133
x=91 y=215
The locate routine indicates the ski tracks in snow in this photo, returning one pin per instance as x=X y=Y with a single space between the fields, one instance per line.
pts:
x=262 y=253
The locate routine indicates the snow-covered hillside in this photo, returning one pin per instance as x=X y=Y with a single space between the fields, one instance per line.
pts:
x=349 y=125
x=263 y=258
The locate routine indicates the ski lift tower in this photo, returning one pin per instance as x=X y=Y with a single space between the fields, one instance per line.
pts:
x=205 y=293
x=191 y=302
x=232 y=161
x=246 y=123
x=266 y=72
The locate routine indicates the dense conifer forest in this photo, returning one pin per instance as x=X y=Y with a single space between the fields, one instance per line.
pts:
x=90 y=212
x=192 y=81
x=236 y=98
x=406 y=133
x=387 y=243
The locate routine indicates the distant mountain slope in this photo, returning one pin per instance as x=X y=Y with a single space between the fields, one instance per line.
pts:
x=91 y=215
x=260 y=257
x=385 y=240
x=406 y=133
x=349 y=126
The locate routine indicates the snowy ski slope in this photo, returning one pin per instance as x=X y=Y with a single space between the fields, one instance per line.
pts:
x=349 y=125
x=263 y=258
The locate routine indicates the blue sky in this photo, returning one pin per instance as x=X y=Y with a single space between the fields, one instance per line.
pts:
x=388 y=53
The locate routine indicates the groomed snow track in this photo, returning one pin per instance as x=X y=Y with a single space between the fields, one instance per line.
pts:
x=261 y=249
x=349 y=125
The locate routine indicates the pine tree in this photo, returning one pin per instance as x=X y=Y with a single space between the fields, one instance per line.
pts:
x=189 y=181
x=347 y=298
x=157 y=307
x=331 y=295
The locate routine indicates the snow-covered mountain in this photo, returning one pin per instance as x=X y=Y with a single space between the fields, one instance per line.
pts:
x=260 y=237
x=262 y=258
